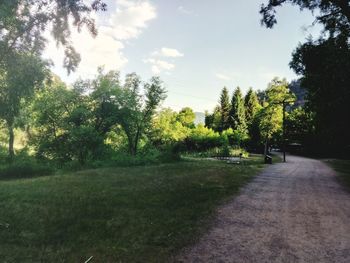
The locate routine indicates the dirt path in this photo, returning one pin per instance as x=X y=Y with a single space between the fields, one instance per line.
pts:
x=292 y=212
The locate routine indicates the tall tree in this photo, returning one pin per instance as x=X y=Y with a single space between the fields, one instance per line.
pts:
x=325 y=69
x=213 y=120
x=135 y=111
x=252 y=105
x=271 y=116
x=19 y=76
x=237 y=112
x=23 y=24
x=224 y=109
x=22 y=27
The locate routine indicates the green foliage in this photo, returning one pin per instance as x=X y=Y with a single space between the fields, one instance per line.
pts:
x=25 y=169
x=252 y=106
x=73 y=124
x=213 y=121
x=225 y=107
x=20 y=75
x=203 y=138
x=299 y=126
x=237 y=112
x=63 y=128
x=334 y=15
x=271 y=115
x=186 y=117
x=24 y=23
x=169 y=127
x=325 y=69
x=135 y=111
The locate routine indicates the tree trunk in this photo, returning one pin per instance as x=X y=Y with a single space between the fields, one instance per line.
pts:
x=266 y=147
x=131 y=145
x=11 y=141
x=137 y=137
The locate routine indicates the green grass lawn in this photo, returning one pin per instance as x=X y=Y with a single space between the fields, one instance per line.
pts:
x=137 y=214
x=343 y=169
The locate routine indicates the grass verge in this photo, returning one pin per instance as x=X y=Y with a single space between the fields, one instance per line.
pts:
x=135 y=214
x=342 y=167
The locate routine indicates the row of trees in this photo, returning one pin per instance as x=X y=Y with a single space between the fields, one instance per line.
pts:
x=257 y=118
x=324 y=67
x=97 y=117
x=236 y=113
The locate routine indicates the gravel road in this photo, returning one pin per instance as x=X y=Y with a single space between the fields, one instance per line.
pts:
x=291 y=212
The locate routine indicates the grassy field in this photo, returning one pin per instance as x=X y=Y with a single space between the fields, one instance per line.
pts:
x=343 y=169
x=137 y=214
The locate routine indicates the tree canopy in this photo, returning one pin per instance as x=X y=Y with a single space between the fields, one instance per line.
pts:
x=23 y=24
x=334 y=15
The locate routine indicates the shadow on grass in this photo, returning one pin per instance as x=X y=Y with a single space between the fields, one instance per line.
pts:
x=342 y=167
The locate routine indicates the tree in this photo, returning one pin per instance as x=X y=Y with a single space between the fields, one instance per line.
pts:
x=300 y=126
x=134 y=111
x=271 y=115
x=224 y=109
x=19 y=76
x=325 y=69
x=22 y=27
x=252 y=105
x=186 y=117
x=237 y=112
x=213 y=121
x=334 y=15
x=23 y=24
x=167 y=127
x=64 y=124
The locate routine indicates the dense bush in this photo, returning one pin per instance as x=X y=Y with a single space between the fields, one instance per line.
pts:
x=25 y=169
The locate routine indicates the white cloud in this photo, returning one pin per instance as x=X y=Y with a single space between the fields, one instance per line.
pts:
x=127 y=22
x=171 y=52
x=130 y=18
x=222 y=76
x=183 y=10
x=168 y=52
x=158 y=66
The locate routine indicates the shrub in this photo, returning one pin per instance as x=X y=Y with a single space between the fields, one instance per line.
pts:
x=21 y=169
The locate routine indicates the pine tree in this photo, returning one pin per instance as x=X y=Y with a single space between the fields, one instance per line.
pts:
x=224 y=109
x=252 y=106
x=237 y=113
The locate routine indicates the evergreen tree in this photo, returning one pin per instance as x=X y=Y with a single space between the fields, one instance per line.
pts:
x=237 y=112
x=252 y=106
x=213 y=121
x=224 y=109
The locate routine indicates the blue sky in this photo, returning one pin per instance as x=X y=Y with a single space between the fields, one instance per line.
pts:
x=195 y=46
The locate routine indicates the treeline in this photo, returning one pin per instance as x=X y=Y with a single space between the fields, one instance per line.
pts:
x=110 y=120
x=255 y=121
x=324 y=67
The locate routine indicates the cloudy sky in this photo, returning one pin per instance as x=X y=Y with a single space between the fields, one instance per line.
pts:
x=195 y=46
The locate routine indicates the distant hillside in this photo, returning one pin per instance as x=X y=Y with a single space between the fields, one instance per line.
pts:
x=200 y=116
